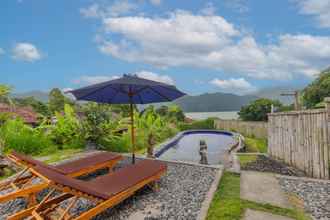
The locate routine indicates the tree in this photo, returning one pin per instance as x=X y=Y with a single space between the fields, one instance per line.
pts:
x=56 y=100
x=4 y=93
x=172 y=112
x=37 y=106
x=315 y=93
x=176 y=113
x=258 y=110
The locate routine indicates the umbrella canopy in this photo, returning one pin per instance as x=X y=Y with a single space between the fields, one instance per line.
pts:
x=128 y=89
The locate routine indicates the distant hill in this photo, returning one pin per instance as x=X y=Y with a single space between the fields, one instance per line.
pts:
x=39 y=95
x=214 y=102
x=275 y=93
x=208 y=102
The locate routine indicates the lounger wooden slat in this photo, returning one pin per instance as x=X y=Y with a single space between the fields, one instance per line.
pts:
x=22 y=185
x=106 y=191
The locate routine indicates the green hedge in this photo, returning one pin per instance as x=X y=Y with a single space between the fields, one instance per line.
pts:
x=201 y=124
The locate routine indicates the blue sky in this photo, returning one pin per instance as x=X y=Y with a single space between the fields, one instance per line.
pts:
x=205 y=46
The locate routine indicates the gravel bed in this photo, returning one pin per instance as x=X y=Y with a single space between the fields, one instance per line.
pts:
x=181 y=194
x=266 y=164
x=315 y=194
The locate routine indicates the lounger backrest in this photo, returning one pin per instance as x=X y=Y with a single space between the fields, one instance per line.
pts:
x=26 y=159
x=32 y=162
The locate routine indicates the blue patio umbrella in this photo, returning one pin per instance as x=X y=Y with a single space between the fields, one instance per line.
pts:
x=129 y=89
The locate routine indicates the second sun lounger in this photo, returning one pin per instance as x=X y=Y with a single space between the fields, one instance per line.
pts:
x=105 y=191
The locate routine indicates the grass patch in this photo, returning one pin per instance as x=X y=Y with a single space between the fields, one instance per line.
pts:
x=60 y=155
x=255 y=145
x=245 y=159
x=227 y=205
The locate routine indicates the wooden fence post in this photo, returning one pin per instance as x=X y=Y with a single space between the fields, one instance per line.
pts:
x=327 y=104
x=327 y=107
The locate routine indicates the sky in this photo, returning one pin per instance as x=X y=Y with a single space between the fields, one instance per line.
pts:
x=234 y=46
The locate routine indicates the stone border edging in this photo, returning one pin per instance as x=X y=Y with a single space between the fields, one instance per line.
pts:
x=209 y=196
x=257 y=154
x=220 y=166
x=302 y=178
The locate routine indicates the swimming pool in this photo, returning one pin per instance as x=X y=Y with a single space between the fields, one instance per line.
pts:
x=186 y=146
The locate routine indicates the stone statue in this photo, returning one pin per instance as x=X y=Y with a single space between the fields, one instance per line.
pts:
x=203 y=152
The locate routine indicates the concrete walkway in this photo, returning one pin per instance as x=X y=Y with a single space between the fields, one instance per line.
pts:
x=263 y=188
x=257 y=215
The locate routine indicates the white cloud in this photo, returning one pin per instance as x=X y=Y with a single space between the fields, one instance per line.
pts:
x=155 y=77
x=171 y=41
x=118 y=8
x=156 y=2
x=2 y=51
x=26 y=52
x=238 y=86
x=209 y=41
x=318 y=8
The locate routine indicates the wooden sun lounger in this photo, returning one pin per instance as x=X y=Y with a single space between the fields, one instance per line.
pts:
x=105 y=191
x=23 y=186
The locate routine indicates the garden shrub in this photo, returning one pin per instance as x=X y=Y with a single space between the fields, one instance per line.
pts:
x=68 y=132
x=201 y=124
x=17 y=136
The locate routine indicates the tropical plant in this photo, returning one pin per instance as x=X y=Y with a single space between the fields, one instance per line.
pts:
x=57 y=101
x=315 y=93
x=148 y=125
x=99 y=120
x=5 y=91
x=15 y=135
x=258 y=109
x=173 y=113
x=68 y=131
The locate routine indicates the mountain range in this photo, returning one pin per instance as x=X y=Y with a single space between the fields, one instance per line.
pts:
x=207 y=102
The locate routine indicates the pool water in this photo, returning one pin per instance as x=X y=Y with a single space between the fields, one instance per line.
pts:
x=187 y=148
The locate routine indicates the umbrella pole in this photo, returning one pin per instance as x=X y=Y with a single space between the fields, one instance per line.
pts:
x=132 y=132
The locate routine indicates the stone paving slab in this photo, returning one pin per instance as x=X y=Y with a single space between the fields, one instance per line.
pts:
x=258 y=215
x=263 y=188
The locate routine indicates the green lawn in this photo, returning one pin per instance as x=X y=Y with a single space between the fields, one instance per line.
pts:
x=245 y=159
x=59 y=155
x=255 y=145
x=227 y=205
